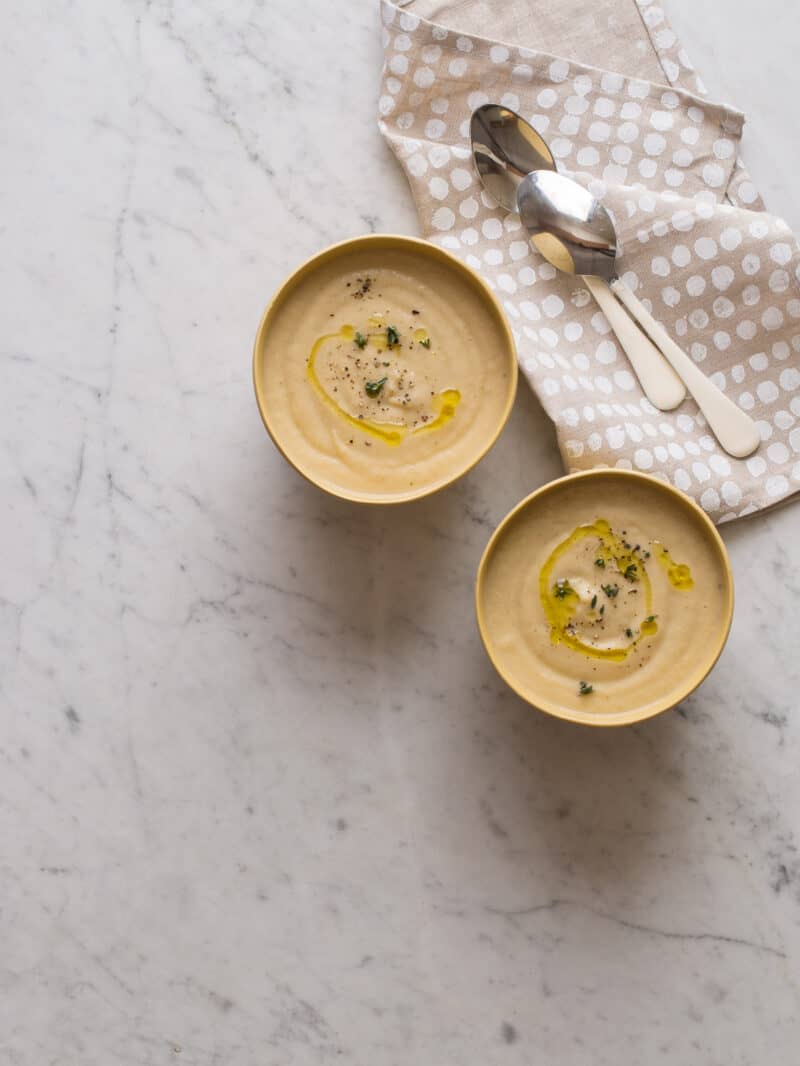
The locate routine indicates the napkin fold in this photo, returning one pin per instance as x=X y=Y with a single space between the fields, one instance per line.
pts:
x=608 y=86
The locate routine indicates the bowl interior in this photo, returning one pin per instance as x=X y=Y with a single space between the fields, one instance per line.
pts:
x=294 y=302
x=673 y=642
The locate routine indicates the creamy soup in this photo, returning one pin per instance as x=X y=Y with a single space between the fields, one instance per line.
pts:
x=386 y=371
x=606 y=595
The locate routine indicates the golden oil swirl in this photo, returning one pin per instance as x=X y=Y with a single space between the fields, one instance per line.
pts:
x=444 y=403
x=614 y=557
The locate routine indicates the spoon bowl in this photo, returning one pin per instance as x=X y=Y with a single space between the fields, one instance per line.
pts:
x=570 y=228
x=506 y=149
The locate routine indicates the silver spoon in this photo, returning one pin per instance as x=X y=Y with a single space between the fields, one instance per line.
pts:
x=574 y=232
x=506 y=149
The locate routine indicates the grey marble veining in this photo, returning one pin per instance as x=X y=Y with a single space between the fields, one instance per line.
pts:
x=263 y=799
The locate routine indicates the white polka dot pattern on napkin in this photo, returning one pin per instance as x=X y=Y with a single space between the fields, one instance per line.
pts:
x=722 y=279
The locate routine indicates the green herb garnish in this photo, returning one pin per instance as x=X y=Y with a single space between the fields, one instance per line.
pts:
x=373 y=388
x=650 y=618
x=631 y=573
x=594 y=601
x=600 y=562
x=603 y=609
x=585 y=689
x=628 y=633
x=360 y=339
x=426 y=343
x=561 y=590
x=392 y=336
x=610 y=590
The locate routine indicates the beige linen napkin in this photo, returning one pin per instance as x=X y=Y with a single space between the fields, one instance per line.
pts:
x=609 y=87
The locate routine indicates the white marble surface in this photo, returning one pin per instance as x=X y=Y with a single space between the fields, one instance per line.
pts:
x=263 y=799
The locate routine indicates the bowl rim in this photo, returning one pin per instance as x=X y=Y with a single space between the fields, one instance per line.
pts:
x=418 y=246
x=651 y=710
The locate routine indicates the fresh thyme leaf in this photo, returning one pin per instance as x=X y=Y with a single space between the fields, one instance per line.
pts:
x=373 y=388
x=561 y=590
x=360 y=339
x=585 y=689
x=600 y=562
x=594 y=601
x=392 y=336
x=603 y=609
x=426 y=343
x=628 y=633
x=650 y=618
x=610 y=590
x=631 y=572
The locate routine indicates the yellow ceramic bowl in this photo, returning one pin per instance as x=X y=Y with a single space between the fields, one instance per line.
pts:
x=299 y=300
x=675 y=623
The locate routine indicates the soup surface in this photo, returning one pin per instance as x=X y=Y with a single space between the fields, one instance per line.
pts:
x=387 y=371
x=607 y=595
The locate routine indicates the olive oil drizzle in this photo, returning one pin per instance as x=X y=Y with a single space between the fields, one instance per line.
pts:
x=679 y=574
x=560 y=601
x=444 y=403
